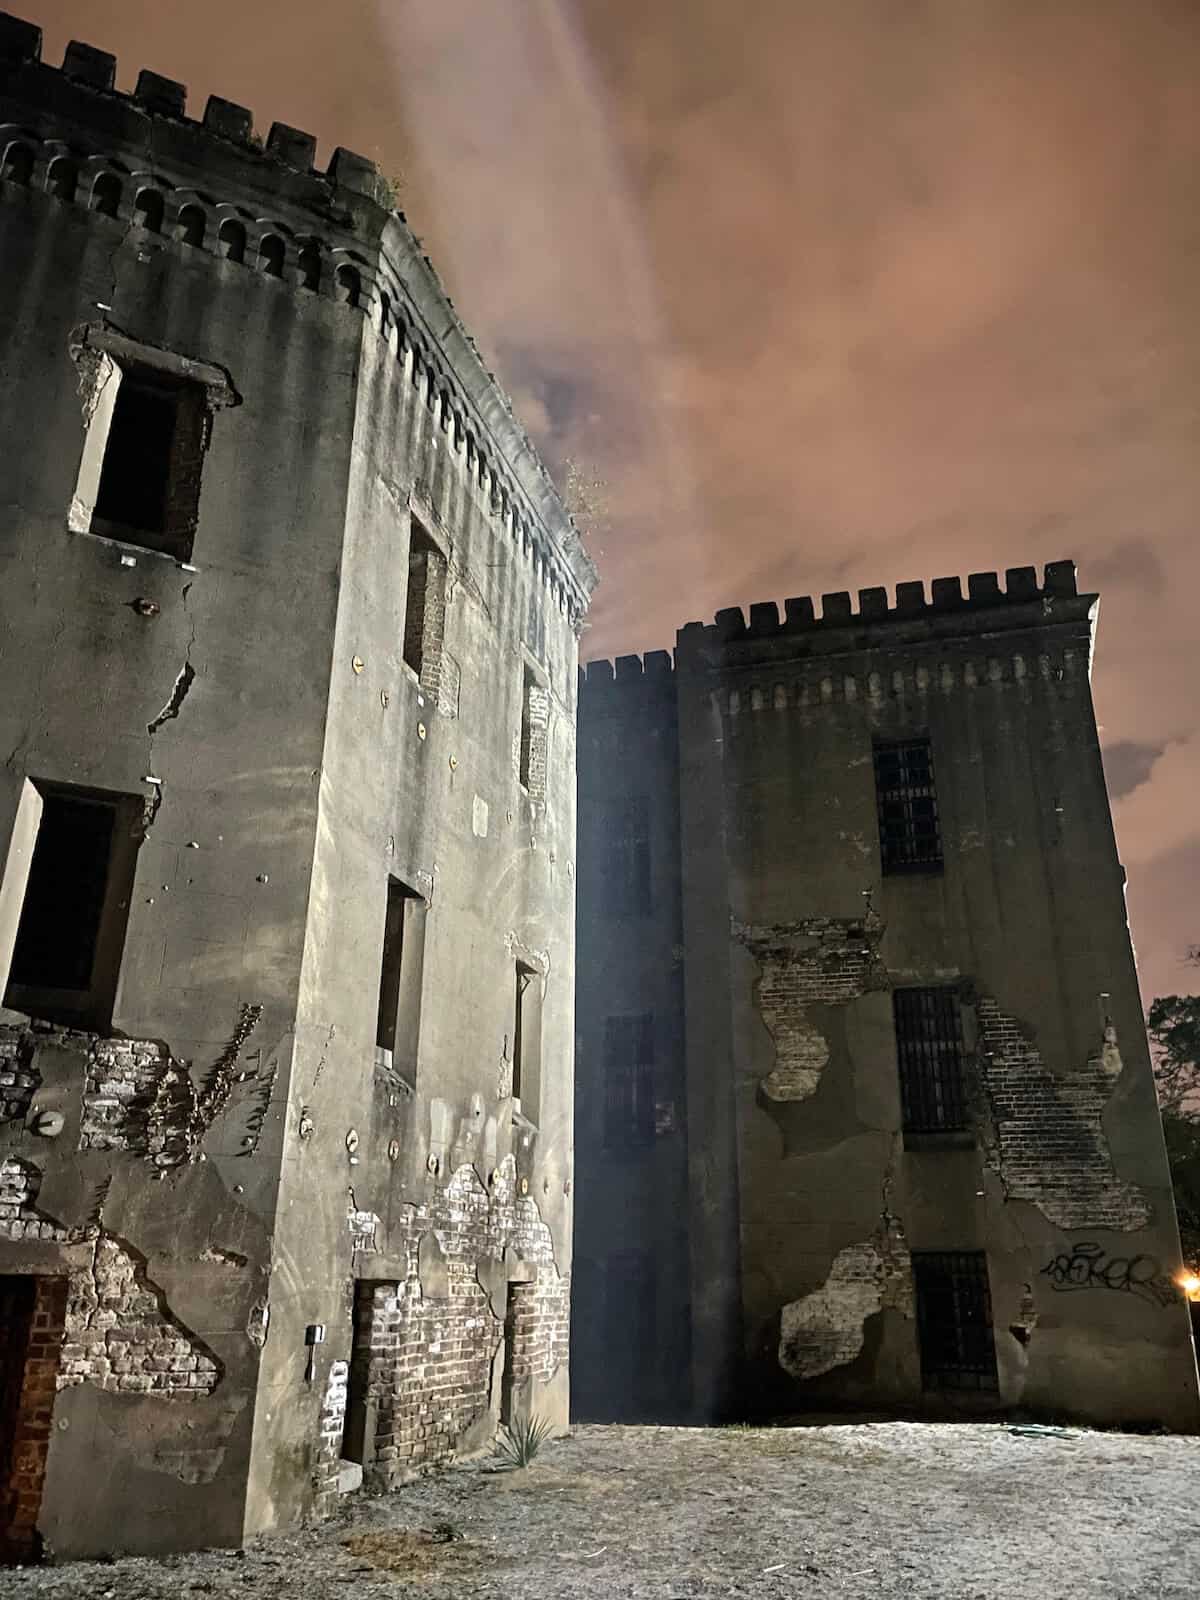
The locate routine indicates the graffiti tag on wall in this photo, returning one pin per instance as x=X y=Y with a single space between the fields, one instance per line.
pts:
x=1088 y=1265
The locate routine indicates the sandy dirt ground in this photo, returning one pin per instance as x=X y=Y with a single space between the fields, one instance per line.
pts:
x=967 y=1512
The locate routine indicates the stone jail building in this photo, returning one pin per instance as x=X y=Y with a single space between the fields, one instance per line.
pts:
x=864 y=1108
x=287 y=834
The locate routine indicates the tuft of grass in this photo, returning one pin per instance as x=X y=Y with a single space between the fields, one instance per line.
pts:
x=520 y=1441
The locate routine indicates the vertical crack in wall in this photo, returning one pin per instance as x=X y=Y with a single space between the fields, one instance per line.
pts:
x=827 y=1327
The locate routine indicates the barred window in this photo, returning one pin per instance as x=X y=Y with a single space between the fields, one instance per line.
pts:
x=929 y=1053
x=910 y=838
x=627 y=859
x=954 y=1319
x=628 y=1082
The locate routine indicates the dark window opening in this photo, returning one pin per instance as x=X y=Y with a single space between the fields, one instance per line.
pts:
x=929 y=1054
x=148 y=210
x=348 y=286
x=398 y=1021
x=17 y=165
x=309 y=267
x=954 y=1320
x=628 y=1082
x=149 y=480
x=63 y=179
x=191 y=226
x=626 y=888
x=71 y=932
x=527 y=1042
x=910 y=837
x=231 y=239
x=106 y=194
x=271 y=255
x=423 y=604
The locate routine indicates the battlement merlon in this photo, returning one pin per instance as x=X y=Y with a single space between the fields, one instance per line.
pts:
x=946 y=615
x=75 y=111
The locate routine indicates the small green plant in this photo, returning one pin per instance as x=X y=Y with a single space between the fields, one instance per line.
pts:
x=520 y=1441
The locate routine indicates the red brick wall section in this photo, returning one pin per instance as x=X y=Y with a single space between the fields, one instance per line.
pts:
x=1047 y=1141
x=430 y=1358
x=20 y=1507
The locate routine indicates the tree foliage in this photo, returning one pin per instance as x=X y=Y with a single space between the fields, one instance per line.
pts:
x=1175 y=1036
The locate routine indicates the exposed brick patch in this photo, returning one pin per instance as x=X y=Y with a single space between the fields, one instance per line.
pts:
x=537 y=1328
x=425 y=616
x=825 y=1329
x=18 y=1079
x=819 y=960
x=449 y=685
x=120 y=1335
x=19 y=1217
x=21 y=1495
x=426 y=1359
x=121 y=1092
x=1047 y=1144
x=137 y=1099
x=329 y=1439
x=535 y=738
x=119 y=1332
x=364 y=1229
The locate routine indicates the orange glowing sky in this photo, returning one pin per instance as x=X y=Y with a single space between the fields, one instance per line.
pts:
x=829 y=294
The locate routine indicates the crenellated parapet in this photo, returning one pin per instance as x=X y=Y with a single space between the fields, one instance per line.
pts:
x=217 y=190
x=953 y=638
x=656 y=666
x=984 y=603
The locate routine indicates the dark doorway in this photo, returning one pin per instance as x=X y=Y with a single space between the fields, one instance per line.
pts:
x=516 y=1334
x=32 y=1311
x=357 y=1440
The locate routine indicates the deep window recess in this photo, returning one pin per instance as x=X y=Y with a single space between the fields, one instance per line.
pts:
x=535 y=721
x=910 y=838
x=628 y=1082
x=70 y=936
x=929 y=1054
x=398 y=1022
x=954 y=1320
x=527 y=1042
x=150 y=478
x=626 y=887
x=424 y=606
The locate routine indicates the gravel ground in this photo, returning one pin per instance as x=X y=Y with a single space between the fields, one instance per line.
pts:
x=965 y=1512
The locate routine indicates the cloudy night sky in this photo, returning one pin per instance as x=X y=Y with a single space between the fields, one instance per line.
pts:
x=830 y=293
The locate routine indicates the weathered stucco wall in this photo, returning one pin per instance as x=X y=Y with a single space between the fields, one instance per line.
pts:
x=210 y=1176
x=806 y=1200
